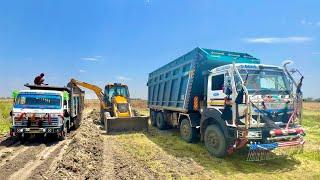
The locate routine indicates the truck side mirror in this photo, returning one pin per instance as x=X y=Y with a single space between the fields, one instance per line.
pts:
x=11 y=113
x=239 y=98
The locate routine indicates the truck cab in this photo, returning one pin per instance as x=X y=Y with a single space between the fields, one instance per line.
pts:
x=44 y=110
x=257 y=104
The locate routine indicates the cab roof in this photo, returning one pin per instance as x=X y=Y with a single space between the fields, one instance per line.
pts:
x=42 y=91
x=48 y=88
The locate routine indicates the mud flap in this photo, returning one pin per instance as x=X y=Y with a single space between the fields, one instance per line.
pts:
x=114 y=124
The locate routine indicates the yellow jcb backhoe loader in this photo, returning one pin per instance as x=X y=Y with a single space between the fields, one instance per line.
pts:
x=116 y=113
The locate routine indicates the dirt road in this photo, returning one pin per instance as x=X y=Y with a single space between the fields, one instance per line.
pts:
x=88 y=153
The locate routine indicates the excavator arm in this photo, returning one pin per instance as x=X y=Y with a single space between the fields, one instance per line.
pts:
x=94 y=88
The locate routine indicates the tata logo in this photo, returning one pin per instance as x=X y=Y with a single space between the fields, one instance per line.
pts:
x=248 y=66
x=216 y=94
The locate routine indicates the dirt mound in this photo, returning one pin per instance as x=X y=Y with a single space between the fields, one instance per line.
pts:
x=83 y=158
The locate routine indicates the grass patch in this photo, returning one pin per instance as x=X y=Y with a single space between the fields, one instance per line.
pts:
x=5 y=108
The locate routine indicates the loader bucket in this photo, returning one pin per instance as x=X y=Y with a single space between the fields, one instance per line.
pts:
x=116 y=124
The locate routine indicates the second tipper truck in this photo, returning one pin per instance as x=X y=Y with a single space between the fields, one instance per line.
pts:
x=230 y=100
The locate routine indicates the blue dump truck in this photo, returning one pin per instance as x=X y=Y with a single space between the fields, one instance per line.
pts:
x=46 y=110
x=230 y=101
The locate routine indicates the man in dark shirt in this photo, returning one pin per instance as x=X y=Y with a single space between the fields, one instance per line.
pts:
x=39 y=80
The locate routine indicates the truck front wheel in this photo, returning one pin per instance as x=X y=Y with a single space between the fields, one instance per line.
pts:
x=187 y=132
x=161 y=123
x=215 y=141
x=23 y=138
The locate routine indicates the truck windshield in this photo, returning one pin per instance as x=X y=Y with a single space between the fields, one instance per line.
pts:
x=38 y=101
x=266 y=81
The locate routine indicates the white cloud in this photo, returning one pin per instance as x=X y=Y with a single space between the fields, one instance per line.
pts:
x=276 y=40
x=310 y=23
x=123 y=78
x=92 y=59
x=82 y=71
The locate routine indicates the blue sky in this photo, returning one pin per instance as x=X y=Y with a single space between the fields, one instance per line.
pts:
x=123 y=40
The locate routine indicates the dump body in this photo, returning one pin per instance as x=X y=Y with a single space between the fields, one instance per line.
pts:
x=174 y=86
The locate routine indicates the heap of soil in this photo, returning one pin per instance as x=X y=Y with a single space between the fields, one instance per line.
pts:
x=83 y=158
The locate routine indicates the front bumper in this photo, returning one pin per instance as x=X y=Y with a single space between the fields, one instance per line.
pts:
x=35 y=130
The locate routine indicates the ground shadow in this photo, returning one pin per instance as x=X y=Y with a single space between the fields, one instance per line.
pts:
x=170 y=141
x=31 y=141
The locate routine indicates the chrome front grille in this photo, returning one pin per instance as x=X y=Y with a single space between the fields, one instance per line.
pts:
x=37 y=122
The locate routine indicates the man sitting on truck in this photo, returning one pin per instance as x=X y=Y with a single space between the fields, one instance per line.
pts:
x=39 y=80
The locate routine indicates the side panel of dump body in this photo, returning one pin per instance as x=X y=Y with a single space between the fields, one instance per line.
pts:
x=76 y=102
x=182 y=82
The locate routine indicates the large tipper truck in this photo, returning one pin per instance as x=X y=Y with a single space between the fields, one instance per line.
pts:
x=230 y=100
x=46 y=110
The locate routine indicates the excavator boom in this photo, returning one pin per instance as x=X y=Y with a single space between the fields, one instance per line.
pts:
x=92 y=87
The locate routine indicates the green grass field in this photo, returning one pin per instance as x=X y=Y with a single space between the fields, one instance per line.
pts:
x=5 y=108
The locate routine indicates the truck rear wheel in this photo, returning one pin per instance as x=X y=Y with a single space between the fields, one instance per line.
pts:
x=102 y=117
x=215 y=141
x=187 y=132
x=161 y=123
x=153 y=118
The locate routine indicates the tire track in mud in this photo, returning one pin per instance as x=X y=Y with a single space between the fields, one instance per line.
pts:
x=10 y=155
x=48 y=167
x=25 y=172
x=21 y=158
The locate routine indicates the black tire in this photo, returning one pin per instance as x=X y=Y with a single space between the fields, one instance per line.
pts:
x=215 y=141
x=161 y=123
x=102 y=117
x=188 y=133
x=68 y=127
x=24 y=138
x=153 y=118
x=76 y=122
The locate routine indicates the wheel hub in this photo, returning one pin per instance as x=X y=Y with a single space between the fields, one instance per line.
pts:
x=212 y=140
x=185 y=130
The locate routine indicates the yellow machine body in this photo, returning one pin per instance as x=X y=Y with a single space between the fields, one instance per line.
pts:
x=116 y=112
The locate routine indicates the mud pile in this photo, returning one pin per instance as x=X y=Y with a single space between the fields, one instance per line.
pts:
x=83 y=158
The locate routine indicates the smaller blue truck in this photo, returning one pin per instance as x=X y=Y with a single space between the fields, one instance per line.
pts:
x=228 y=99
x=46 y=110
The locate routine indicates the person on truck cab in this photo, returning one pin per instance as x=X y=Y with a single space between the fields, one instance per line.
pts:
x=39 y=80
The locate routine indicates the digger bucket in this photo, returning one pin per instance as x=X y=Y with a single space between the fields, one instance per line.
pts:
x=123 y=124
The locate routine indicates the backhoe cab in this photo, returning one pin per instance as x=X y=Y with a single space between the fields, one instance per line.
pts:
x=117 y=98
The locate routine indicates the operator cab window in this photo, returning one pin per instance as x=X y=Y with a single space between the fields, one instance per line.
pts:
x=217 y=82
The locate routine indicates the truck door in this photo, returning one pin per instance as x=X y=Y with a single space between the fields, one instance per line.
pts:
x=215 y=91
